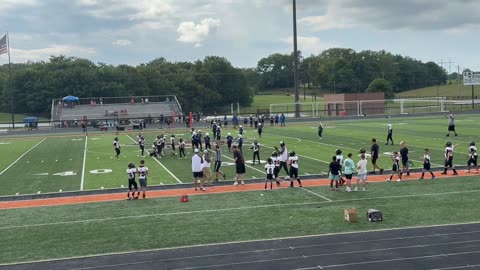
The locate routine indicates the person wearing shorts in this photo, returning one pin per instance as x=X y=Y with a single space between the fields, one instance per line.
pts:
x=348 y=167
x=362 y=173
x=269 y=169
x=374 y=154
x=426 y=164
x=395 y=167
x=207 y=173
x=142 y=178
x=239 y=165
x=472 y=157
x=334 y=173
x=276 y=170
x=293 y=164
x=197 y=170
x=451 y=124
x=218 y=163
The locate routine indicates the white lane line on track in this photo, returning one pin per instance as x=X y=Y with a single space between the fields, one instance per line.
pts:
x=158 y=161
x=13 y=163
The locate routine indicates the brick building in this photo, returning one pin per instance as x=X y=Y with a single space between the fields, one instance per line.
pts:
x=354 y=104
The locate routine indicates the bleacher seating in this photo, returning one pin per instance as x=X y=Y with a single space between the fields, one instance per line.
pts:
x=115 y=111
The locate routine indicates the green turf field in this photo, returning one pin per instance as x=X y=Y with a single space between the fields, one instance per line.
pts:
x=49 y=164
x=121 y=226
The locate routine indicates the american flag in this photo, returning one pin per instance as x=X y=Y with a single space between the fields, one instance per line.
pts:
x=3 y=45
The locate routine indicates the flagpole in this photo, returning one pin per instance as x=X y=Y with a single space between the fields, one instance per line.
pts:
x=10 y=83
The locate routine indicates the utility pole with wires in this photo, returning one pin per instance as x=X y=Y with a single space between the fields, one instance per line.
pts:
x=449 y=63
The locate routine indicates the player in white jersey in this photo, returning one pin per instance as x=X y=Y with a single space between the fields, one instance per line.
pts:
x=283 y=153
x=116 y=146
x=269 y=169
x=276 y=162
x=426 y=164
x=132 y=184
x=472 y=157
x=449 y=158
x=362 y=173
x=293 y=163
x=172 y=144
x=142 y=171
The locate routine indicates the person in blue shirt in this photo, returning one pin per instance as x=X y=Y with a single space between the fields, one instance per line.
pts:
x=225 y=121
x=282 y=120
x=276 y=120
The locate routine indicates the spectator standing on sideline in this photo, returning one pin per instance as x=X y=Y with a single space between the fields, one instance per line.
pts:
x=334 y=170
x=197 y=170
x=207 y=173
x=348 y=167
x=239 y=165
x=374 y=155
x=282 y=120
x=362 y=173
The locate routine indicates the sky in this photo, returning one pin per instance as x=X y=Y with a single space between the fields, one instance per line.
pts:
x=244 y=31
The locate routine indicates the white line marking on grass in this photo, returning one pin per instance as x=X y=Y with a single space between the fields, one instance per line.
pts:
x=316 y=194
x=269 y=240
x=13 y=163
x=458 y=267
x=158 y=161
x=233 y=209
x=82 y=179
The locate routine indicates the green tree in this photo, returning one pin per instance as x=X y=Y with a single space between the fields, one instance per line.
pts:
x=381 y=85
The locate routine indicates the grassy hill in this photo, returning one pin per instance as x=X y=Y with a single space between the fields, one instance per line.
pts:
x=7 y=118
x=449 y=90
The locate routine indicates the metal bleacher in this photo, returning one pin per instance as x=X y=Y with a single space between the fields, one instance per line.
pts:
x=115 y=108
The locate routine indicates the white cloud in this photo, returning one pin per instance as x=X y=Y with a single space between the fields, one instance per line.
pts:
x=9 y=4
x=309 y=45
x=127 y=9
x=416 y=15
x=122 y=42
x=24 y=55
x=189 y=32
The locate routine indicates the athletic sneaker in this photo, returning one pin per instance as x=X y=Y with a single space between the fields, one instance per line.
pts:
x=399 y=180
x=236 y=183
x=287 y=178
x=364 y=189
x=455 y=173
x=203 y=189
x=356 y=189
x=421 y=178
x=348 y=189
x=388 y=179
x=433 y=177
x=443 y=173
x=224 y=177
x=243 y=183
x=381 y=171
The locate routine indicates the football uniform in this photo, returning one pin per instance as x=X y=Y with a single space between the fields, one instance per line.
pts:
x=293 y=167
x=116 y=145
x=276 y=163
x=270 y=168
x=142 y=175
x=449 y=156
x=472 y=155
x=396 y=164
x=131 y=178
x=172 y=143
x=426 y=162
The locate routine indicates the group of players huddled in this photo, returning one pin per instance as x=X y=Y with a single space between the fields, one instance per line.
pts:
x=288 y=161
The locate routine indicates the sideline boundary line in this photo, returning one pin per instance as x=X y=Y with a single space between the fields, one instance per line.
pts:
x=13 y=163
x=230 y=209
x=158 y=161
x=318 y=195
x=82 y=179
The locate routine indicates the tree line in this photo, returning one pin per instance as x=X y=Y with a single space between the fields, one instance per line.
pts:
x=213 y=82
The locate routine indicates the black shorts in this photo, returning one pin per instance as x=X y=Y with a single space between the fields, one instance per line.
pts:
x=269 y=177
x=426 y=166
x=173 y=146
x=349 y=176
x=405 y=163
x=395 y=168
x=198 y=174
x=293 y=173
x=117 y=150
x=451 y=127
x=240 y=168
x=449 y=162
x=218 y=164
x=276 y=170
x=472 y=161
x=374 y=160
x=132 y=183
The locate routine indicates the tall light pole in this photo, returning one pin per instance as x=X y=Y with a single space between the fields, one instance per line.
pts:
x=295 y=61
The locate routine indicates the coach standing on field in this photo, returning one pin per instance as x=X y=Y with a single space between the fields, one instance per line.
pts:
x=451 y=124
x=197 y=170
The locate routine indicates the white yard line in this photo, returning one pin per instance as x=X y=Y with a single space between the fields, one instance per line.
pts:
x=316 y=194
x=82 y=179
x=235 y=209
x=158 y=161
x=13 y=163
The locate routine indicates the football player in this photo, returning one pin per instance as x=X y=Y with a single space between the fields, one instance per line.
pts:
x=472 y=157
x=426 y=164
x=449 y=158
x=293 y=164
x=116 y=146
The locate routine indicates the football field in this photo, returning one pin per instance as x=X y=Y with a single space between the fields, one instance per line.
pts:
x=73 y=162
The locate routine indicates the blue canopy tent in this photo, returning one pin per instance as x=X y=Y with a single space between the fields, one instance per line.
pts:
x=70 y=99
x=30 y=120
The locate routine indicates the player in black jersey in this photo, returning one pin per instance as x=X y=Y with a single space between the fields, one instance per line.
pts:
x=389 y=134
x=426 y=164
